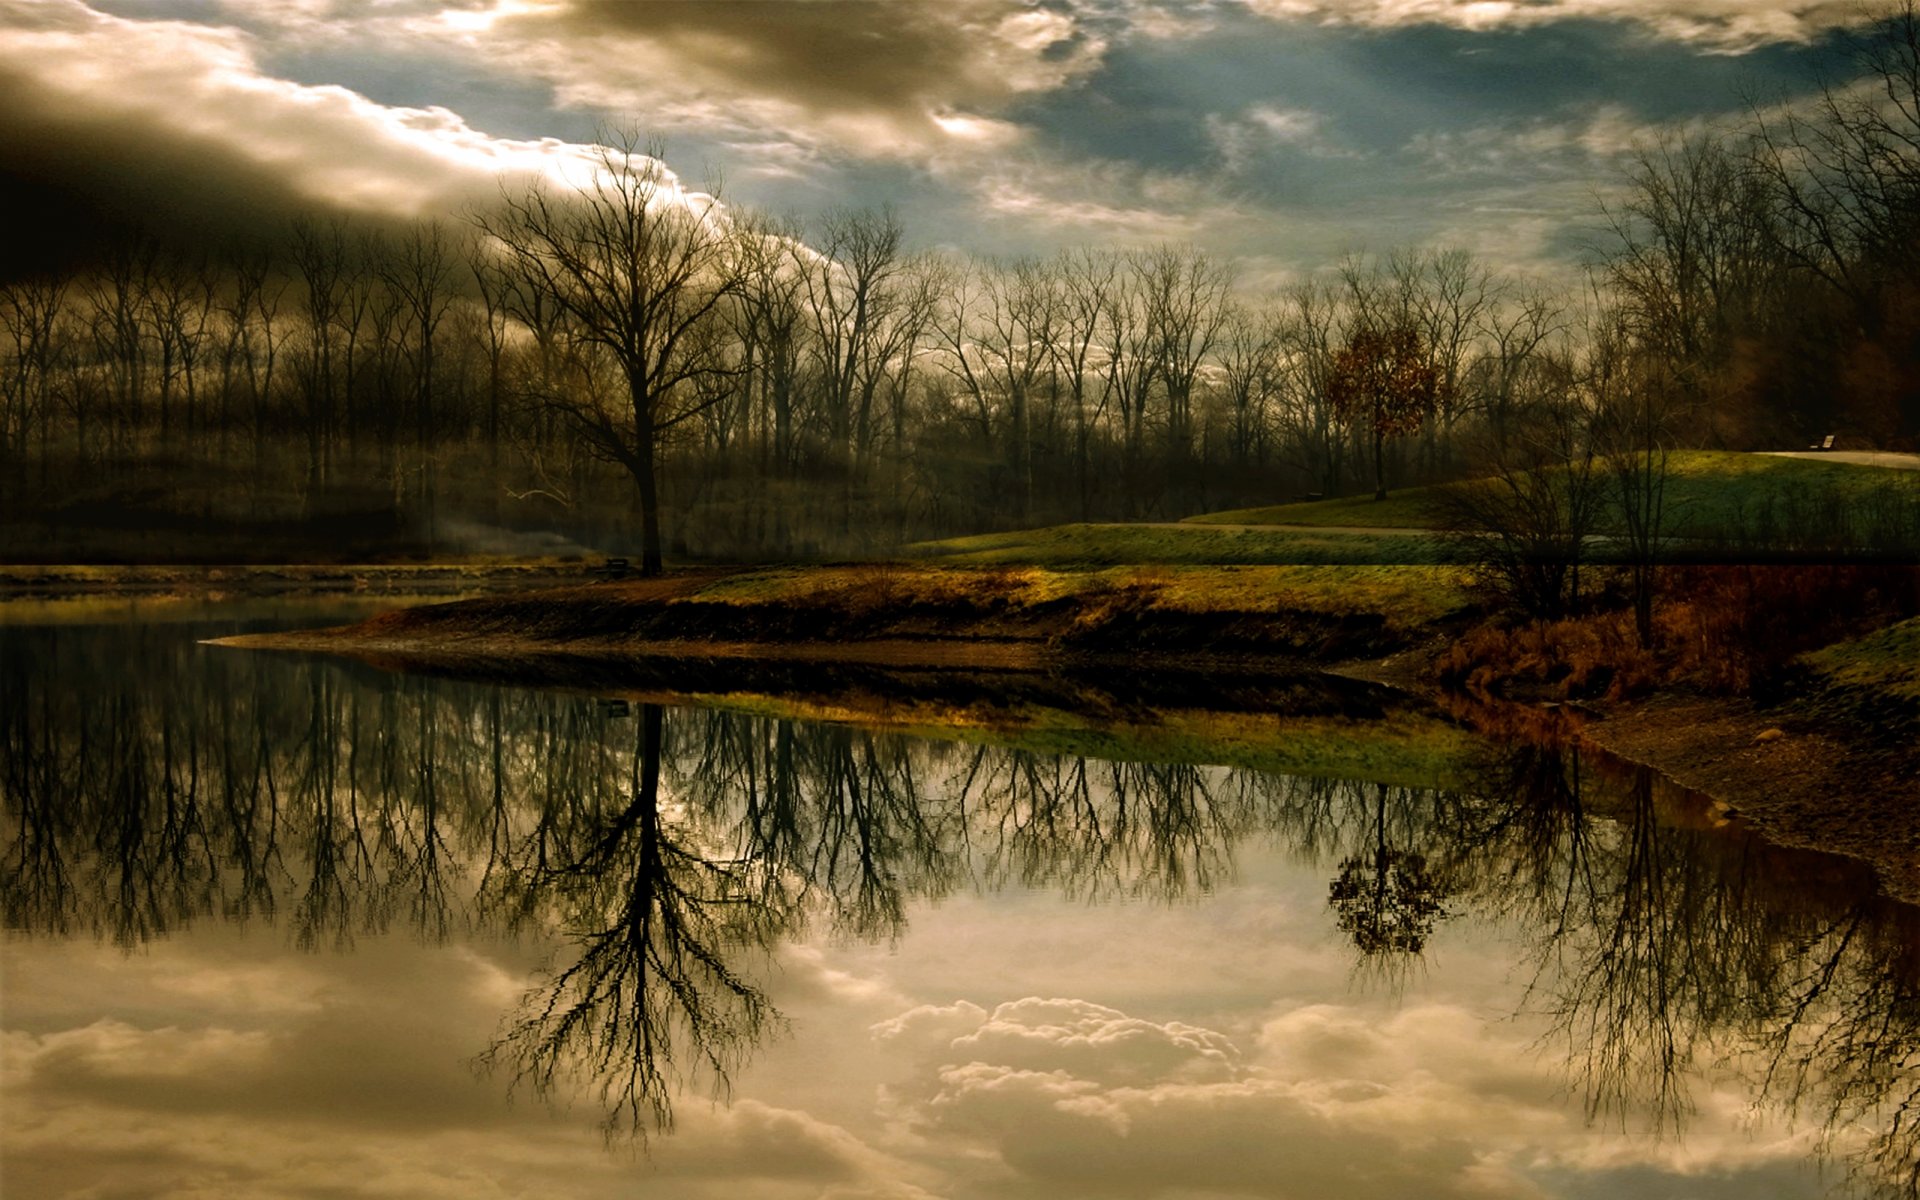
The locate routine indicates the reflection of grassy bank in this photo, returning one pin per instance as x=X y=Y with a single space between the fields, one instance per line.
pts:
x=1401 y=745
x=1729 y=652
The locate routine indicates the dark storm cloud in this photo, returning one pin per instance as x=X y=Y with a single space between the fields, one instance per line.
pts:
x=108 y=124
x=829 y=54
x=868 y=76
x=78 y=181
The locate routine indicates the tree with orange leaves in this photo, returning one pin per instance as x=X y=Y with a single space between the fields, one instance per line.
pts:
x=1383 y=380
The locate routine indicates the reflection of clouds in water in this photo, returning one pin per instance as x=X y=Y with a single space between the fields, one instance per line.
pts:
x=361 y=1086
x=1331 y=1101
x=364 y=1088
x=1276 y=1071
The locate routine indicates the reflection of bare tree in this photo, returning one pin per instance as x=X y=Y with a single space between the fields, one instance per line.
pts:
x=1098 y=828
x=37 y=890
x=655 y=923
x=1656 y=943
x=1846 y=1041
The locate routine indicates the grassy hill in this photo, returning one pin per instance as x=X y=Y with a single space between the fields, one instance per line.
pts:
x=1718 y=498
x=1709 y=493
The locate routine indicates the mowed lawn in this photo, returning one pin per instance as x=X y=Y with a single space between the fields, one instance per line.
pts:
x=1708 y=493
x=1746 y=498
x=1886 y=662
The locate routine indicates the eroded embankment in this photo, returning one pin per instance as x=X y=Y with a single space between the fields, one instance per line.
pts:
x=1796 y=779
x=1008 y=618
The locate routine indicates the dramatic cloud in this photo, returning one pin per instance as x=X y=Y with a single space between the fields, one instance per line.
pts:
x=107 y=122
x=867 y=77
x=1279 y=132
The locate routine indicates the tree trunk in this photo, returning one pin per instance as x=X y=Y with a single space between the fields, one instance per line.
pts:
x=650 y=559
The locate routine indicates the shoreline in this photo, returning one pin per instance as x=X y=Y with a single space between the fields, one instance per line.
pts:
x=34 y=581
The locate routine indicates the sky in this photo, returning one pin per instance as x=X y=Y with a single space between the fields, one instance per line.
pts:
x=1279 y=133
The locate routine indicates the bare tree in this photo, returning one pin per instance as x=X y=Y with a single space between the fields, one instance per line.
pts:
x=1185 y=294
x=1524 y=521
x=1631 y=397
x=1250 y=357
x=640 y=267
x=1693 y=264
x=1309 y=336
x=849 y=291
x=1086 y=280
x=30 y=311
x=419 y=274
x=321 y=259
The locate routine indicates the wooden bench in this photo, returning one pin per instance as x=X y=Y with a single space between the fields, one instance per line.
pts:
x=613 y=568
x=1825 y=444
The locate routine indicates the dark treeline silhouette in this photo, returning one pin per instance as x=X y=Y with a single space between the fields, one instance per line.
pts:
x=636 y=366
x=756 y=389
x=674 y=849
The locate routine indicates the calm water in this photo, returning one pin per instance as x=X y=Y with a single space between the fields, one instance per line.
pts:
x=278 y=927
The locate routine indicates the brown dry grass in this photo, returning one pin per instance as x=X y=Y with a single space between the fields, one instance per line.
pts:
x=1731 y=631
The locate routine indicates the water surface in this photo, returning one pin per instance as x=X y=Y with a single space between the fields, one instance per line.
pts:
x=288 y=927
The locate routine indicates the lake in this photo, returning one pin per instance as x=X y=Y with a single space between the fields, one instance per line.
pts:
x=280 y=926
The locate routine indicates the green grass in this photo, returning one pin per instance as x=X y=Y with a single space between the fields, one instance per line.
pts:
x=1406 y=509
x=1886 y=662
x=1102 y=545
x=1709 y=493
x=1715 y=492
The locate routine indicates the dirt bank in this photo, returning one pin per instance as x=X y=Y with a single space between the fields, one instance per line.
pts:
x=1022 y=618
x=1796 y=781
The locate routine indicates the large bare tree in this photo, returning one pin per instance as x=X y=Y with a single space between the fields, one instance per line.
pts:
x=638 y=268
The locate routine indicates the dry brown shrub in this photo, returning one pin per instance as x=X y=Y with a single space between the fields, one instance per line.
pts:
x=1585 y=658
x=1729 y=630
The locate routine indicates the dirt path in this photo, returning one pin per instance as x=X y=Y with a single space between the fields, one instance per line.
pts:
x=1366 y=530
x=1863 y=458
